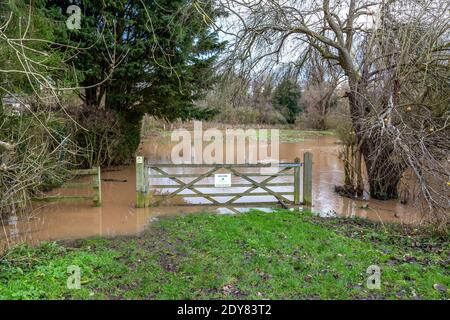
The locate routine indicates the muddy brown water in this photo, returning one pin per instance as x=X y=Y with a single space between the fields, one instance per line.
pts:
x=118 y=215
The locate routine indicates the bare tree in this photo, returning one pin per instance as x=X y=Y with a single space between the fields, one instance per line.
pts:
x=34 y=150
x=394 y=55
x=319 y=95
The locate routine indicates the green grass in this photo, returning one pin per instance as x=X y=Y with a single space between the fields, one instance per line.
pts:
x=292 y=135
x=286 y=135
x=302 y=135
x=282 y=255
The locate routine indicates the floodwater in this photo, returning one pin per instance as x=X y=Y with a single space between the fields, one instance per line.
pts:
x=118 y=215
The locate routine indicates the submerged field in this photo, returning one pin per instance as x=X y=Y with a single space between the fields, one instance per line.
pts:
x=281 y=255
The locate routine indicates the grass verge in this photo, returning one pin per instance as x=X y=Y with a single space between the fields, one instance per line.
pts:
x=281 y=255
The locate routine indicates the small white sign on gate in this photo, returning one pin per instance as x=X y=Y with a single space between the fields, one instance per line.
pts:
x=222 y=180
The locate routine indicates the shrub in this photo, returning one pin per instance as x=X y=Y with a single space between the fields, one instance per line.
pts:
x=40 y=156
x=106 y=137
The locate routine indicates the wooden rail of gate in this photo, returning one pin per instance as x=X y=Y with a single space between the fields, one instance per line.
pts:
x=95 y=185
x=143 y=186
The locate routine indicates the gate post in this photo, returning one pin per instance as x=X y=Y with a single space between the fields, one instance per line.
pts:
x=297 y=182
x=140 y=183
x=307 y=178
x=97 y=186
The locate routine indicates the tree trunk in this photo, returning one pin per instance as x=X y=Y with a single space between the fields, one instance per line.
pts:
x=359 y=177
x=384 y=169
x=348 y=181
x=384 y=172
x=90 y=97
x=384 y=188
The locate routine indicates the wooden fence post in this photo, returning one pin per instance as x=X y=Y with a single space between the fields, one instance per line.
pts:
x=297 y=182
x=140 y=183
x=97 y=185
x=307 y=179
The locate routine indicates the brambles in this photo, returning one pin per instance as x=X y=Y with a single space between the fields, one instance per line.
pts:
x=41 y=155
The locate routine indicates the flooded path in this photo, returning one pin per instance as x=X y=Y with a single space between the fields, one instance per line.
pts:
x=118 y=215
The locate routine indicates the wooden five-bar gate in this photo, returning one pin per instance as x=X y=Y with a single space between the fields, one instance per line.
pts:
x=257 y=184
x=95 y=185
